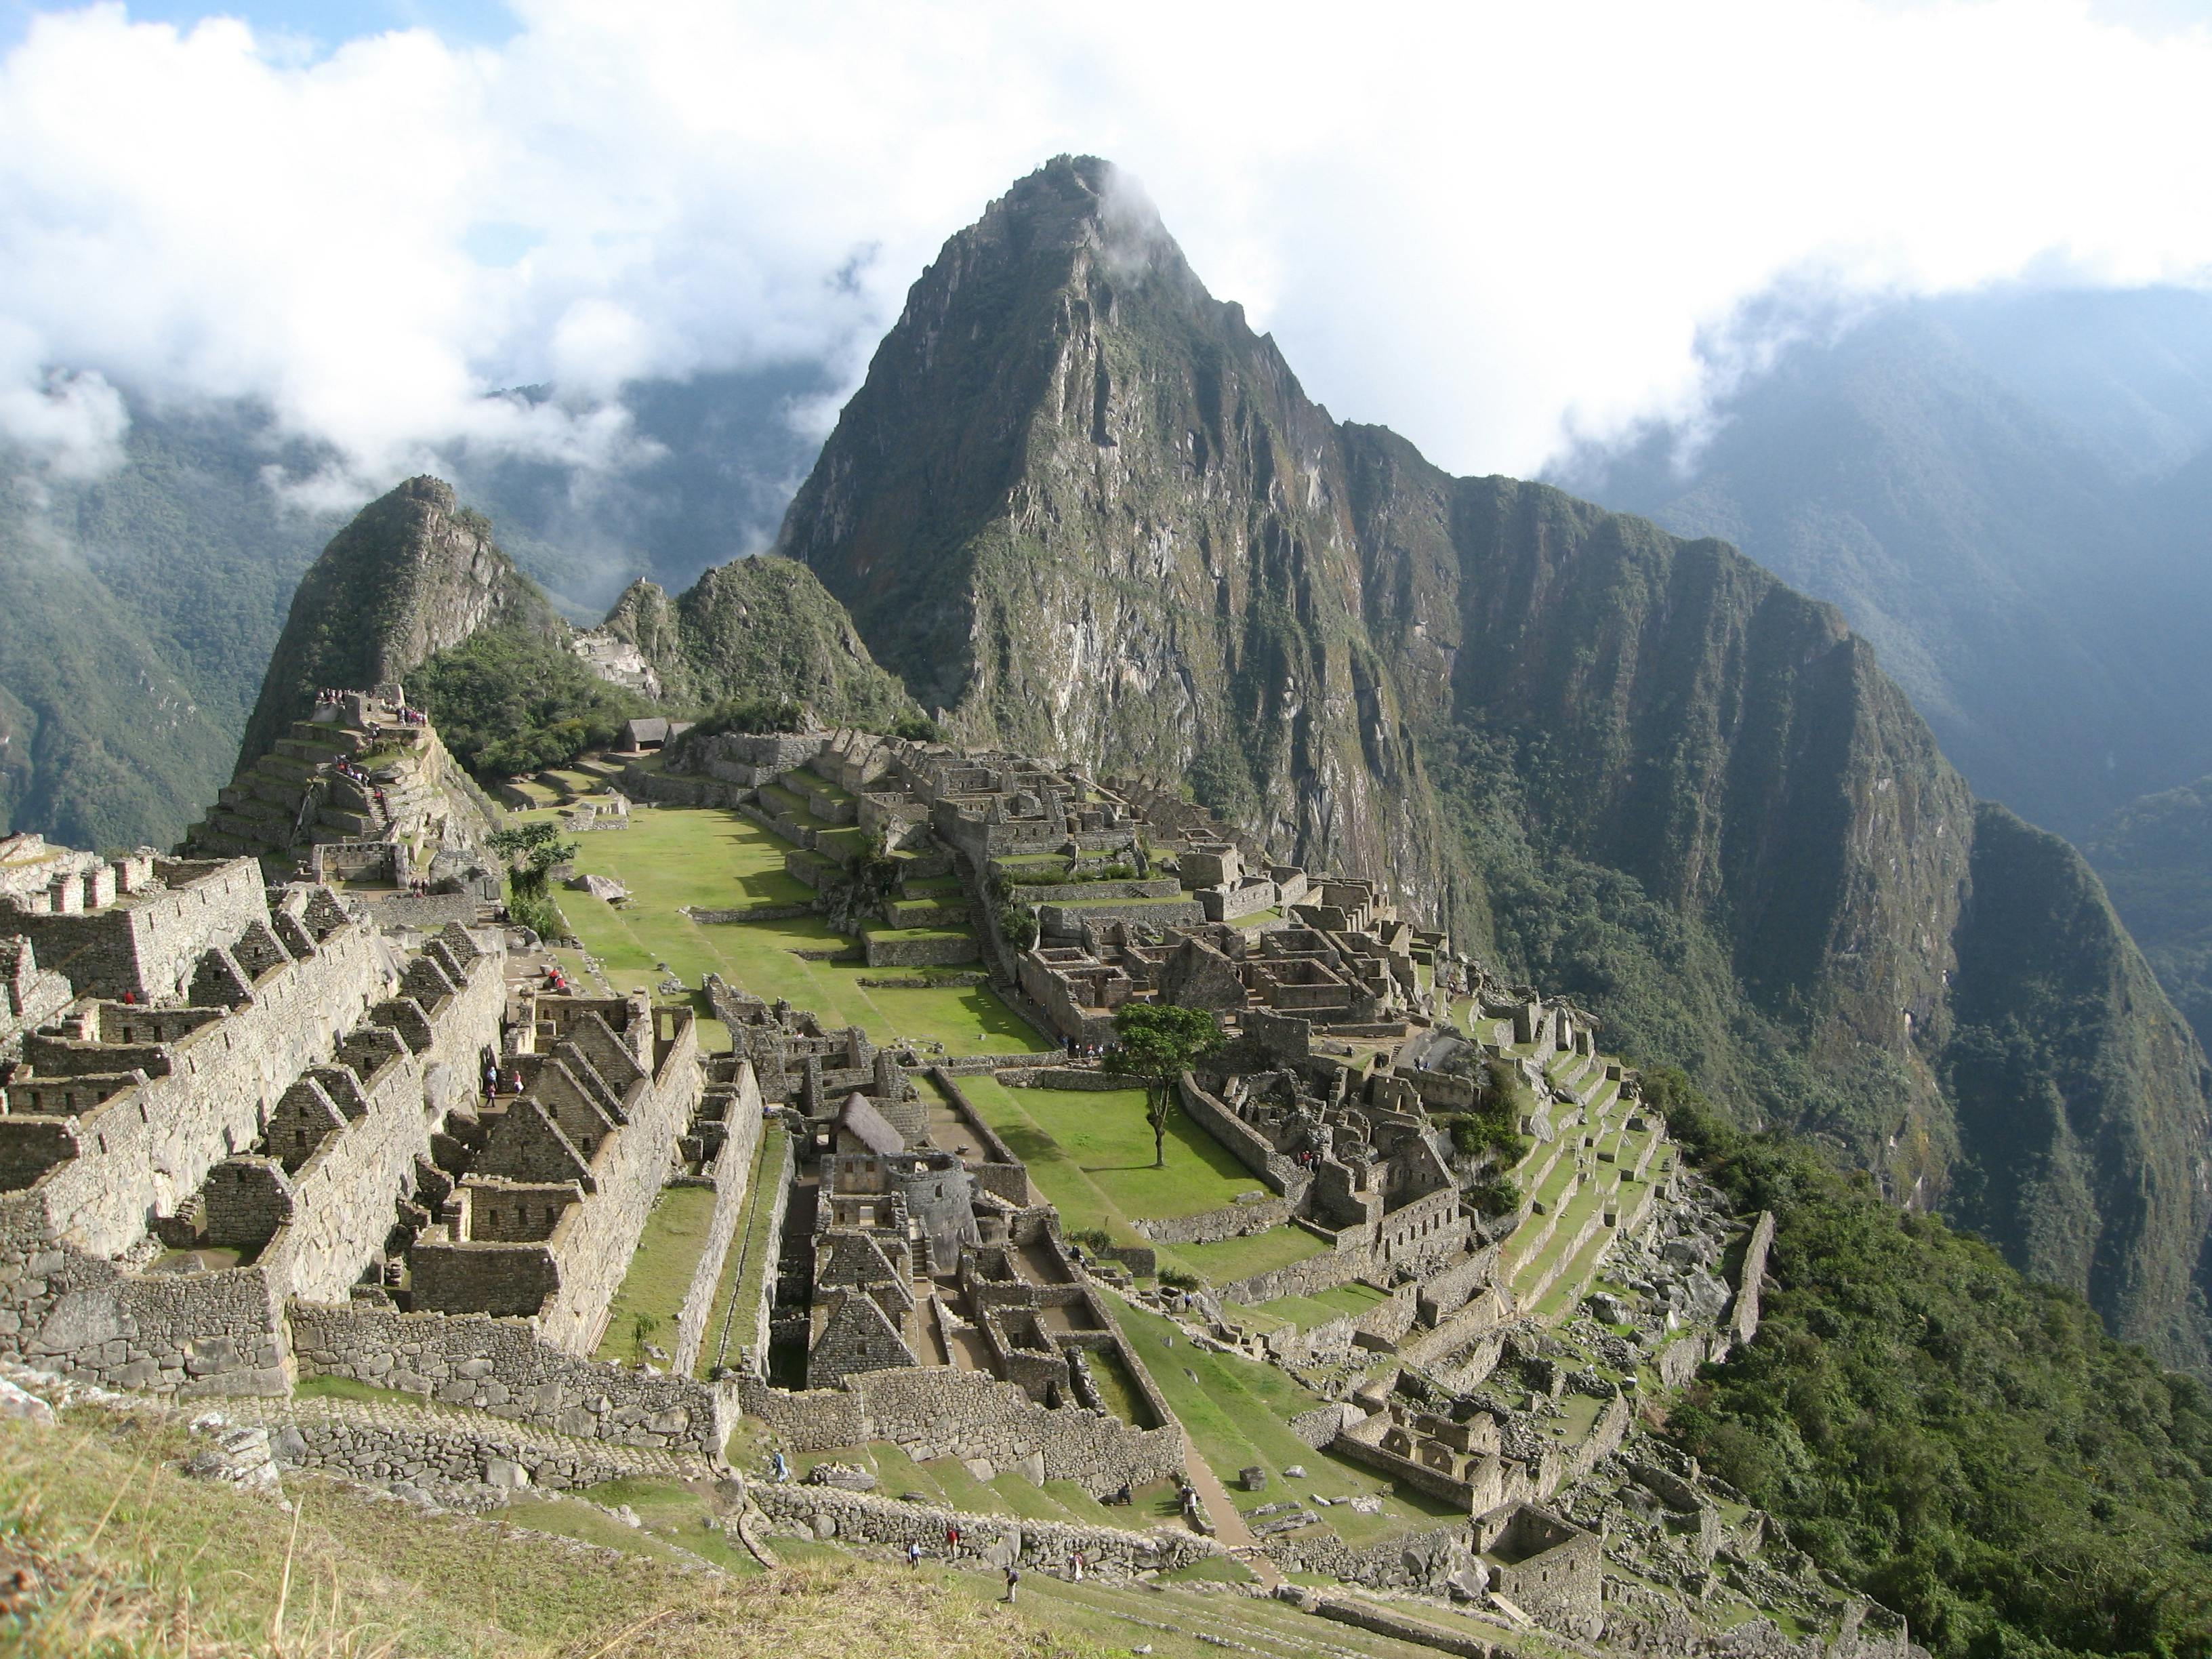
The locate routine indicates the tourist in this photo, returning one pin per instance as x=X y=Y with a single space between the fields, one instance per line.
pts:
x=913 y=1553
x=1013 y=1581
x=1076 y=1567
x=780 y=1468
x=952 y=1543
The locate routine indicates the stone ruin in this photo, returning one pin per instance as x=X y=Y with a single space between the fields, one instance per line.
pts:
x=362 y=794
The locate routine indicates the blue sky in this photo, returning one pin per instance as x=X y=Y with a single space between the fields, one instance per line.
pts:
x=325 y=23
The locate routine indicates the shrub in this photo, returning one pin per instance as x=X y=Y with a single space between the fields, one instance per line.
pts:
x=1498 y=1195
x=752 y=716
x=1176 y=1278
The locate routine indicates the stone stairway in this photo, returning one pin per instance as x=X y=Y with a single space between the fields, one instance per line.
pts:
x=294 y=797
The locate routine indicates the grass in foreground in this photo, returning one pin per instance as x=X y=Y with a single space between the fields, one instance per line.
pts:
x=137 y=1561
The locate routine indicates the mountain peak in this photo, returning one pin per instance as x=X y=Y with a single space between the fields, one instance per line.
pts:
x=415 y=573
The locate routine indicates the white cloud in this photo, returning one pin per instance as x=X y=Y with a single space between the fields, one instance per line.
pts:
x=1483 y=224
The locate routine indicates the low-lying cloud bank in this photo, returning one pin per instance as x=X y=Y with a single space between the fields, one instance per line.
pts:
x=1495 y=227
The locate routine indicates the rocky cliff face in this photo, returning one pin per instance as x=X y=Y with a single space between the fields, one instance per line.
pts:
x=414 y=574
x=1081 y=509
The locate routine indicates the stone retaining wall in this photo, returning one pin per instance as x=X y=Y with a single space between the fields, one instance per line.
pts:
x=937 y=1412
x=1229 y=1221
x=1414 y=1561
x=503 y=1367
x=1065 y=920
x=1744 y=1321
x=380 y=1443
x=753 y=912
x=1245 y=1143
x=866 y=1518
x=733 y=1169
x=939 y=950
x=1066 y=1077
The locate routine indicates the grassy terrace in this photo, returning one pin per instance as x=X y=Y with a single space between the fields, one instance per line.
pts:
x=750 y=1259
x=672 y=856
x=661 y=1272
x=1090 y=1153
x=1238 y=1411
x=1228 y=1260
x=1307 y=1311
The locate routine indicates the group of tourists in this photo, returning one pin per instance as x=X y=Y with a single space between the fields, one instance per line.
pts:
x=1087 y=1050
x=331 y=696
x=494 y=1084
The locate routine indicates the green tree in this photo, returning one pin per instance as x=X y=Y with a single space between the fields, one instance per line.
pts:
x=531 y=851
x=1159 y=1044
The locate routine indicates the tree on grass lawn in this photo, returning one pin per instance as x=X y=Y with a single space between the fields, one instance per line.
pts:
x=1159 y=1044
x=531 y=851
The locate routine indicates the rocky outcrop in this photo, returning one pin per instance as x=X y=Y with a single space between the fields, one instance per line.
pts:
x=1084 y=511
x=414 y=574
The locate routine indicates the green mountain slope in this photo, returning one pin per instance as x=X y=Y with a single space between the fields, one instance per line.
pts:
x=2155 y=857
x=752 y=627
x=1081 y=509
x=137 y=612
x=414 y=574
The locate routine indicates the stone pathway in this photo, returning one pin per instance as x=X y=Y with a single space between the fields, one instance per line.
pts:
x=1228 y=1525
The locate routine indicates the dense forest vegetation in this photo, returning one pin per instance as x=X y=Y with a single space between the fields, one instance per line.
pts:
x=1963 y=1443
x=511 y=700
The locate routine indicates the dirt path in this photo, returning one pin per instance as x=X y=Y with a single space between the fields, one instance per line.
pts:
x=1228 y=1525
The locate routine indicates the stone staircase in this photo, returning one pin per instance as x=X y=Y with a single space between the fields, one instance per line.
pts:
x=293 y=798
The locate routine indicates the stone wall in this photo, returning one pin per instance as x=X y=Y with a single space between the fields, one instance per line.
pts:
x=1065 y=920
x=1066 y=1077
x=1744 y=1319
x=148 y=1149
x=503 y=1366
x=751 y=1357
x=1229 y=1221
x=934 y=950
x=64 y=1303
x=1413 y=1561
x=386 y=1443
x=599 y=1236
x=148 y=945
x=937 y=1412
x=1445 y=1293
x=1245 y=1143
x=864 y=1518
x=734 y=1168
x=343 y=1196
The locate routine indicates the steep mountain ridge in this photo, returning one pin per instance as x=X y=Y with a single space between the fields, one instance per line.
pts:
x=1988 y=486
x=1081 y=509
